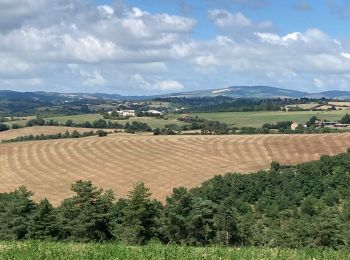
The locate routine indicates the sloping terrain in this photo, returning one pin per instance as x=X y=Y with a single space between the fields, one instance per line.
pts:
x=162 y=162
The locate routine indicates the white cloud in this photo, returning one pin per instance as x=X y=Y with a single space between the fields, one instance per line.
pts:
x=89 y=48
x=166 y=85
x=29 y=83
x=276 y=39
x=10 y=66
x=40 y=38
x=292 y=60
x=224 y=18
x=206 y=60
x=106 y=10
x=156 y=84
x=14 y=12
x=345 y=55
x=94 y=79
x=123 y=49
x=88 y=78
x=237 y=22
x=318 y=83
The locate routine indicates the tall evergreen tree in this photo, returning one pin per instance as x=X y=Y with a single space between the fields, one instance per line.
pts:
x=140 y=216
x=43 y=222
x=201 y=223
x=176 y=213
x=15 y=210
x=345 y=119
x=226 y=223
x=86 y=216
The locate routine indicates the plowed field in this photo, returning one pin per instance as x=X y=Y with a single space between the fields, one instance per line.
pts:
x=162 y=162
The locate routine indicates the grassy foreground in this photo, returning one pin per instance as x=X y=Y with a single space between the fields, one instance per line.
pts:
x=59 y=250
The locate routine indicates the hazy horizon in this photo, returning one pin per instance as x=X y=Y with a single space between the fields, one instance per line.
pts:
x=144 y=47
x=160 y=93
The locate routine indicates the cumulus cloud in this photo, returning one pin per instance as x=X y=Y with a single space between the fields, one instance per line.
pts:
x=156 y=84
x=74 y=45
x=88 y=78
x=35 y=34
x=14 y=12
x=285 y=60
x=166 y=85
x=224 y=18
x=237 y=22
x=10 y=67
x=346 y=55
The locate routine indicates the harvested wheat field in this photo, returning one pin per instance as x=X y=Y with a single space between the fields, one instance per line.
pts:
x=38 y=130
x=162 y=162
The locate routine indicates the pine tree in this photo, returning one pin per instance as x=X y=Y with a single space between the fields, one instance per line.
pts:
x=226 y=223
x=201 y=230
x=43 y=223
x=140 y=216
x=177 y=210
x=86 y=216
x=345 y=119
x=15 y=210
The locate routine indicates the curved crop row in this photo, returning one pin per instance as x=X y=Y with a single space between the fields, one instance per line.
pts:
x=162 y=162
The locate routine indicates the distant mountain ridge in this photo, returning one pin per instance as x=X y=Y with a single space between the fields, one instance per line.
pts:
x=51 y=96
x=262 y=92
x=233 y=91
x=246 y=92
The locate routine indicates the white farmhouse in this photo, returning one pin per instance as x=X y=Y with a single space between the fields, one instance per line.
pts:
x=154 y=112
x=126 y=113
x=295 y=125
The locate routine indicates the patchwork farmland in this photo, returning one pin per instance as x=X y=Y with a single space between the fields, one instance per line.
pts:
x=162 y=162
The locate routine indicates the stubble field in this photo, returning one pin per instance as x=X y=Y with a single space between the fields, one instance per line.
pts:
x=162 y=162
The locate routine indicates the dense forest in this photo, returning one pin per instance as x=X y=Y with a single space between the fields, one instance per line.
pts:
x=307 y=205
x=230 y=104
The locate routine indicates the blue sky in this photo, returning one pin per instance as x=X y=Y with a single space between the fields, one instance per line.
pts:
x=137 y=47
x=283 y=13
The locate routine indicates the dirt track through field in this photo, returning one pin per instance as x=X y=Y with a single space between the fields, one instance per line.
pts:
x=162 y=162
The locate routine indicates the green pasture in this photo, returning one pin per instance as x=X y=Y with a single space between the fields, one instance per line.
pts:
x=153 y=121
x=258 y=118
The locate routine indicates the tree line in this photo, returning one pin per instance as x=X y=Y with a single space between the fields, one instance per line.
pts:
x=232 y=104
x=307 y=205
x=67 y=134
x=98 y=124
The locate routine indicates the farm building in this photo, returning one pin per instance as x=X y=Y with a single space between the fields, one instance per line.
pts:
x=295 y=125
x=331 y=124
x=126 y=113
x=341 y=125
x=184 y=116
x=154 y=112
